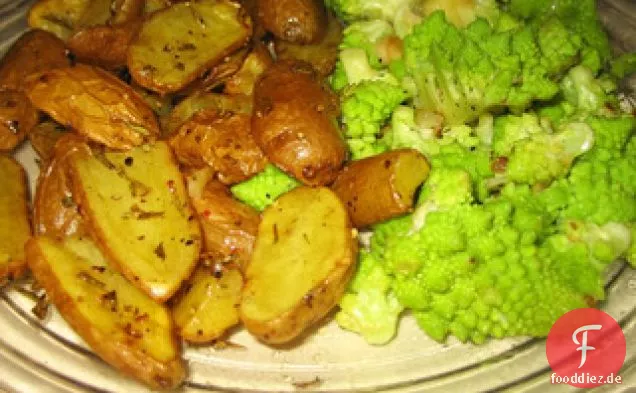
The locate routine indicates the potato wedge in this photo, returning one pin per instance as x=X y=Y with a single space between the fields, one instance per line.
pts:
x=55 y=209
x=243 y=81
x=322 y=55
x=15 y=229
x=199 y=101
x=295 y=123
x=43 y=138
x=204 y=32
x=300 y=21
x=34 y=51
x=17 y=118
x=229 y=226
x=139 y=214
x=304 y=256
x=222 y=140
x=105 y=46
x=124 y=327
x=63 y=17
x=94 y=103
x=377 y=188
x=209 y=305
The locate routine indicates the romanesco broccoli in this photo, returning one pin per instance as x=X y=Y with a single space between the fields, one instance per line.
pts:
x=263 y=189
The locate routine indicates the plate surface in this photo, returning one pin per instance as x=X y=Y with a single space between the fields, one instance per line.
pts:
x=48 y=357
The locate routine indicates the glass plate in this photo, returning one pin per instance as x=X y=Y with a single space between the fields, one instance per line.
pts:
x=47 y=356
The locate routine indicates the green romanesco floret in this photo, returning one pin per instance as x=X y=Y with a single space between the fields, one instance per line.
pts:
x=544 y=157
x=601 y=186
x=491 y=270
x=404 y=14
x=355 y=10
x=360 y=54
x=368 y=35
x=509 y=130
x=579 y=16
x=365 y=109
x=369 y=307
x=462 y=73
x=263 y=189
x=588 y=94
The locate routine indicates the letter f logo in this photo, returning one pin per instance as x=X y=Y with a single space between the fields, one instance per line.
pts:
x=583 y=344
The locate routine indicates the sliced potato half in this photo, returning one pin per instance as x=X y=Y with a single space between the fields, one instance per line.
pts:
x=94 y=103
x=123 y=325
x=304 y=256
x=209 y=305
x=15 y=229
x=140 y=215
x=201 y=34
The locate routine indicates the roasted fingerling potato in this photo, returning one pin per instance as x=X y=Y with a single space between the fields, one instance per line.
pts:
x=299 y=21
x=106 y=45
x=295 y=124
x=120 y=323
x=35 y=51
x=55 y=209
x=381 y=187
x=322 y=55
x=199 y=101
x=204 y=32
x=222 y=140
x=229 y=226
x=63 y=17
x=95 y=104
x=304 y=257
x=209 y=304
x=17 y=118
x=15 y=228
x=139 y=214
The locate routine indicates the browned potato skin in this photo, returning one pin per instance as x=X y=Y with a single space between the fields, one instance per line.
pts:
x=156 y=374
x=17 y=118
x=295 y=123
x=369 y=189
x=43 y=138
x=105 y=46
x=222 y=140
x=323 y=54
x=18 y=230
x=55 y=210
x=299 y=21
x=94 y=103
x=229 y=226
x=243 y=81
x=35 y=51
